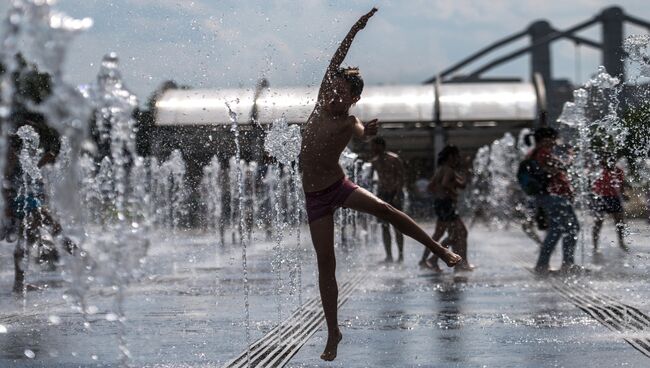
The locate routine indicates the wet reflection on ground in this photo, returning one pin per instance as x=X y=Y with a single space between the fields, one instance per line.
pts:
x=450 y=317
x=400 y=315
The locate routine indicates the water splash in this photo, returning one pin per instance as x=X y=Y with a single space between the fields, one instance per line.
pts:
x=42 y=36
x=504 y=160
x=636 y=47
x=212 y=197
x=29 y=199
x=173 y=173
x=598 y=133
x=169 y=191
x=283 y=141
x=234 y=128
x=123 y=240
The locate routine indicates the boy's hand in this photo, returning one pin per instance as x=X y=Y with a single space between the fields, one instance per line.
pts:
x=361 y=23
x=370 y=128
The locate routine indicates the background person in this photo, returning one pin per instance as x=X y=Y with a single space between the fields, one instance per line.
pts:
x=608 y=192
x=556 y=202
x=446 y=184
x=390 y=173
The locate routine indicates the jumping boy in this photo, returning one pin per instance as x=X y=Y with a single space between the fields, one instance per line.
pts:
x=327 y=132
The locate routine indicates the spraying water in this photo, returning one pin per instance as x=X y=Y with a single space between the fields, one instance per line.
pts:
x=29 y=199
x=283 y=142
x=212 y=197
x=234 y=128
x=593 y=117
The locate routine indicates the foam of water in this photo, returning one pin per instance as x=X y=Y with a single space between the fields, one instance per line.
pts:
x=283 y=141
x=636 y=48
x=212 y=197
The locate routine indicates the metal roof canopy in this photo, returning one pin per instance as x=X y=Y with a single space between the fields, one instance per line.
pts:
x=390 y=104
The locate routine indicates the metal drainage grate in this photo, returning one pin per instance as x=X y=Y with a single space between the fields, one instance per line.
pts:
x=278 y=346
x=629 y=321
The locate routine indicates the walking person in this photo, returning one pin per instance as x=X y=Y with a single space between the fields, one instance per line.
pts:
x=326 y=134
x=608 y=192
x=390 y=172
x=555 y=199
x=37 y=227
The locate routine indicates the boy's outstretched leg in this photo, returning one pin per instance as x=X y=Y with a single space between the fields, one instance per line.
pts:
x=433 y=260
x=322 y=236
x=364 y=201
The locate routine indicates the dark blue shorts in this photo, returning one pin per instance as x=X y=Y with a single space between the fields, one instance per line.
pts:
x=608 y=204
x=24 y=206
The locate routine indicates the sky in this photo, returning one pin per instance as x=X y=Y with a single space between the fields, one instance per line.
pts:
x=232 y=43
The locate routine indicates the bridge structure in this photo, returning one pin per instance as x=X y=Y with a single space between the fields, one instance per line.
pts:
x=542 y=35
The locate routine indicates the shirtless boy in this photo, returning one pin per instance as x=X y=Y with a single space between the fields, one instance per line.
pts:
x=327 y=132
x=445 y=186
x=390 y=172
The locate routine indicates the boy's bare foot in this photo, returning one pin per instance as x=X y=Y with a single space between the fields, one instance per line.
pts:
x=331 y=347
x=451 y=258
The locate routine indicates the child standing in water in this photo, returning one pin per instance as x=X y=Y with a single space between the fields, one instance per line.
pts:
x=608 y=191
x=326 y=133
x=446 y=184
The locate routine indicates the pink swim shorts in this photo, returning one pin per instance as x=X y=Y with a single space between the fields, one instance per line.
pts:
x=323 y=202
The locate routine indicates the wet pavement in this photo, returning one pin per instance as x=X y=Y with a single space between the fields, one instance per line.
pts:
x=188 y=308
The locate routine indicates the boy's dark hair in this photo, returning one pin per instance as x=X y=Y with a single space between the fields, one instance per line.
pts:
x=380 y=141
x=352 y=76
x=446 y=153
x=544 y=132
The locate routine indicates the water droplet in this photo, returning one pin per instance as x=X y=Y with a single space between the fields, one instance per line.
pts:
x=3 y=329
x=55 y=320
x=92 y=309
x=111 y=317
x=30 y=354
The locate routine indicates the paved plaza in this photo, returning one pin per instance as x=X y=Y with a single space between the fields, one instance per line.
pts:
x=187 y=310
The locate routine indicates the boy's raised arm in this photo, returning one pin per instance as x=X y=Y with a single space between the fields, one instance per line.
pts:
x=342 y=51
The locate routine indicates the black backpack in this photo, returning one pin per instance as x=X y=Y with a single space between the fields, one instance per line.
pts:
x=532 y=178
